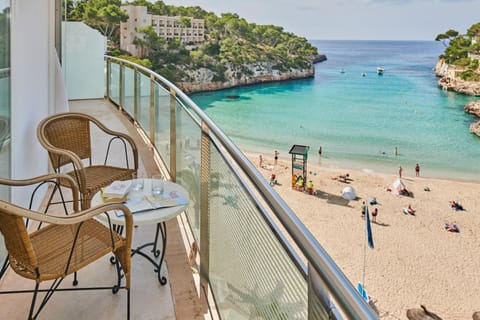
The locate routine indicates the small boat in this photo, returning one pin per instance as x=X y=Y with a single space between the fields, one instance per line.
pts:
x=342 y=70
x=380 y=70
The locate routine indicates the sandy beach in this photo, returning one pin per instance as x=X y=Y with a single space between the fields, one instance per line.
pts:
x=415 y=260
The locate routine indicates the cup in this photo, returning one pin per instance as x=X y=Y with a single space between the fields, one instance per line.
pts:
x=137 y=182
x=158 y=185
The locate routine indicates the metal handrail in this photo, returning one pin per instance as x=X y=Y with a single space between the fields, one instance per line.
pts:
x=348 y=299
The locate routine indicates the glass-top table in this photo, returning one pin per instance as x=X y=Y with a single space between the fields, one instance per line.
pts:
x=165 y=211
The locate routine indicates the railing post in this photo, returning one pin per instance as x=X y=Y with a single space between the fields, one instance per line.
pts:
x=136 y=95
x=319 y=305
x=173 y=135
x=107 y=80
x=204 y=247
x=121 y=91
x=152 y=109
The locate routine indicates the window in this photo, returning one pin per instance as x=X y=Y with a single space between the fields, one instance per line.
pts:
x=5 y=107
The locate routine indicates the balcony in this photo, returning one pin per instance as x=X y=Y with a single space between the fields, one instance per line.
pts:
x=256 y=259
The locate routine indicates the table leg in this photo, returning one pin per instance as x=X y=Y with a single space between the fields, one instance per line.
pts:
x=160 y=230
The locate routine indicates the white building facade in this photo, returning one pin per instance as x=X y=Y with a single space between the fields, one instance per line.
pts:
x=167 y=27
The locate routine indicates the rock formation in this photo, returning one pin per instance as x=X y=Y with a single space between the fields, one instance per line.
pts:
x=449 y=80
x=473 y=108
x=203 y=79
x=475 y=128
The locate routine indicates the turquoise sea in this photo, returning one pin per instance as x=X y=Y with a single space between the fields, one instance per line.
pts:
x=358 y=120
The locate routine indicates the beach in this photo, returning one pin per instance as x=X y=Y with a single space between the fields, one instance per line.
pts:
x=415 y=260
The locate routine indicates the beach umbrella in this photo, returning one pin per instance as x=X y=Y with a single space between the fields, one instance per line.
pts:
x=348 y=193
x=421 y=314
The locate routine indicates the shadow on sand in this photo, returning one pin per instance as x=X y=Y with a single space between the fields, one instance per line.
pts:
x=332 y=198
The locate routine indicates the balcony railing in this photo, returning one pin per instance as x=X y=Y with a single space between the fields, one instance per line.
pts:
x=256 y=256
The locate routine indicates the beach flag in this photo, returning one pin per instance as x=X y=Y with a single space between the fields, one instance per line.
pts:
x=369 y=229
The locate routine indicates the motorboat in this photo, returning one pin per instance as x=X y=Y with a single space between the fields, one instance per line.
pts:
x=380 y=70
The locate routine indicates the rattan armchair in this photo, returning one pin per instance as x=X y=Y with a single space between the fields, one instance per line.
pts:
x=67 y=138
x=63 y=245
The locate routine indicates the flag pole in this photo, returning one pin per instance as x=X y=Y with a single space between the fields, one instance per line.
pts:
x=365 y=249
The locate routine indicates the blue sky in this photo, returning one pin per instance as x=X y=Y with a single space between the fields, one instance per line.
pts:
x=352 y=19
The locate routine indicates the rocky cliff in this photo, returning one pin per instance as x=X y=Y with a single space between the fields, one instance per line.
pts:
x=202 y=79
x=450 y=81
x=474 y=108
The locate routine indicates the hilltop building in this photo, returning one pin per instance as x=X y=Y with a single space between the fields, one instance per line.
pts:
x=165 y=26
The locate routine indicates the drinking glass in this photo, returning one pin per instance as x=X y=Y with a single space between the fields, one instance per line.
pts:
x=158 y=185
x=137 y=180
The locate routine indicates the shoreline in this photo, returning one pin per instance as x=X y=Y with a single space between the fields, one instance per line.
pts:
x=415 y=260
x=388 y=166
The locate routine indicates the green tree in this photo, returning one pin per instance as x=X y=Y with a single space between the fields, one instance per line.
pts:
x=103 y=15
x=185 y=22
x=446 y=37
x=474 y=30
x=5 y=38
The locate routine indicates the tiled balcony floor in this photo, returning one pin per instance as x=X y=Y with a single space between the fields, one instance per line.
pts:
x=178 y=299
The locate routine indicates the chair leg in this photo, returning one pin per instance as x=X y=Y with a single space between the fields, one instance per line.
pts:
x=34 y=298
x=128 y=303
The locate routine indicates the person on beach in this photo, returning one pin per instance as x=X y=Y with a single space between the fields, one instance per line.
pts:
x=400 y=170
x=260 y=161
x=273 y=179
x=320 y=151
x=410 y=210
x=275 y=157
x=310 y=187
x=395 y=152
x=364 y=209
x=374 y=215
x=417 y=170
x=300 y=183
x=373 y=201
x=294 y=180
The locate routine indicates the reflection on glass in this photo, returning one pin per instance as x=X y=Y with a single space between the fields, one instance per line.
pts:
x=4 y=105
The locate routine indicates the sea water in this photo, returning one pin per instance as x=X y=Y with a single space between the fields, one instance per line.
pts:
x=358 y=117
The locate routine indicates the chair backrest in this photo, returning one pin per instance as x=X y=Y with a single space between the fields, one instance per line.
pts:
x=70 y=132
x=17 y=241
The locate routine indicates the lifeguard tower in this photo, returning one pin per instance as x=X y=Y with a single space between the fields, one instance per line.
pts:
x=299 y=160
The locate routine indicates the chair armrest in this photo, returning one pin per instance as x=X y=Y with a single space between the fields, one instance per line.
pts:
x=121 y=135
x=45 y=178
x=75 y=218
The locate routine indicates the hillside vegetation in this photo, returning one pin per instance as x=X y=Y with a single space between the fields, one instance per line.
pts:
x=463 y=50
x=232 y=44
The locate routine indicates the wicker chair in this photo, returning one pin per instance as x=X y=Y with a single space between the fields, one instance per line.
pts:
x=66 y=136
x=63 y=245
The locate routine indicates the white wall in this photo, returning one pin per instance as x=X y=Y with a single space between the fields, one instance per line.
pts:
x=83 y=61
x=32 y=86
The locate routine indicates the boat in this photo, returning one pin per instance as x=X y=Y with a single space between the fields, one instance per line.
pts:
x=342 y=70
x=380 y=70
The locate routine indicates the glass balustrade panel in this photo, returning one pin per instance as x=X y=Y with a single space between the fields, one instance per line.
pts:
x=188 y=143
x=162 y=123
x=251 y=275
x=144 y=103
x=114 y=83
x=129 y=91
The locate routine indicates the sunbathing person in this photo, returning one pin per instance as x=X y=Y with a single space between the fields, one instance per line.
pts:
x=373 y=201
x=452 y=227
x=409 y=210
x=455 y=205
